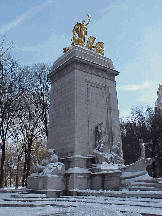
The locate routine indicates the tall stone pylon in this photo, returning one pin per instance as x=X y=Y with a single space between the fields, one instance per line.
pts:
x=83 y=95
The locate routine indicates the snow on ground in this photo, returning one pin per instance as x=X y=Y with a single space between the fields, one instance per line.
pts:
x=71 y=206
x=77 y=205
x=65 y=208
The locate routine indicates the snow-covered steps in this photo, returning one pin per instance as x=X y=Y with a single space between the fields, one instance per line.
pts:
x=143 y=188
x=140 y=181
x=145 y=185
x=121 y=193
x=98 y=204
x=48 y=192
x=12 y=190
x=148 y=179
x=149 y=184
x=129 y=205
x=28 y=195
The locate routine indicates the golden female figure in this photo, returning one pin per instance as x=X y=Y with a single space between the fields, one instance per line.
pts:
x=81 y=30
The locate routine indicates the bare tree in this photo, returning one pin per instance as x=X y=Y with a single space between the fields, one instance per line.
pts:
x=9 y=94
x=37 y=83
x=34 y=114
x=17 y=145
x=24 y=107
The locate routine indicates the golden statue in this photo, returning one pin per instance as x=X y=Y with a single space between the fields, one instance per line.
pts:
x=81 y=30
x=98 y=47
x=79 y=33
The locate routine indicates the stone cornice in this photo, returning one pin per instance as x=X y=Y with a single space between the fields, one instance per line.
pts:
x=86 y=54
x=73 y=59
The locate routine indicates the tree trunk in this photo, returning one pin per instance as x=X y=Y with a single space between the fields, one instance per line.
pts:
x=2 y=163
x=154 y=162
x=24 y=170
x=17 y=176
x=10 y=177
x=5 y=180
x=29 y=157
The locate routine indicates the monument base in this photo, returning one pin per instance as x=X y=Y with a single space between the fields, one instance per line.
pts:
x=77 y=161
x=81 y=174
x=78 y=175
x=106 y=180
x=46 y=182
x=78 y=178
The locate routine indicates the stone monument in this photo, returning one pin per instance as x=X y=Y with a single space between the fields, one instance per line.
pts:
x=84 y=119
x=83 y=97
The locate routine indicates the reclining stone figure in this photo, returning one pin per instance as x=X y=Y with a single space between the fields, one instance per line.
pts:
x=51 y=165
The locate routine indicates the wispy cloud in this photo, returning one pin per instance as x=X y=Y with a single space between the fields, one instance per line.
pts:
x=12 y=24
x=135 y=87
x=27 y=15
x=143 y=95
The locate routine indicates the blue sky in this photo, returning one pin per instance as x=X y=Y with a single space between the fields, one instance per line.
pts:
x=131 y=32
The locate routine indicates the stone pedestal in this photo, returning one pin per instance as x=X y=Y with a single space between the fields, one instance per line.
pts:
x=78 y=178
x=77 y=161
x=46 y=182
x=33 y=182
x=105 y=176
x=83 y=94
x=97 y=181
x=106 y=180
x=111 y=180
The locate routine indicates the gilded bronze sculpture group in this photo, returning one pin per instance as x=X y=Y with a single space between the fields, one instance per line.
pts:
x=79 y=33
